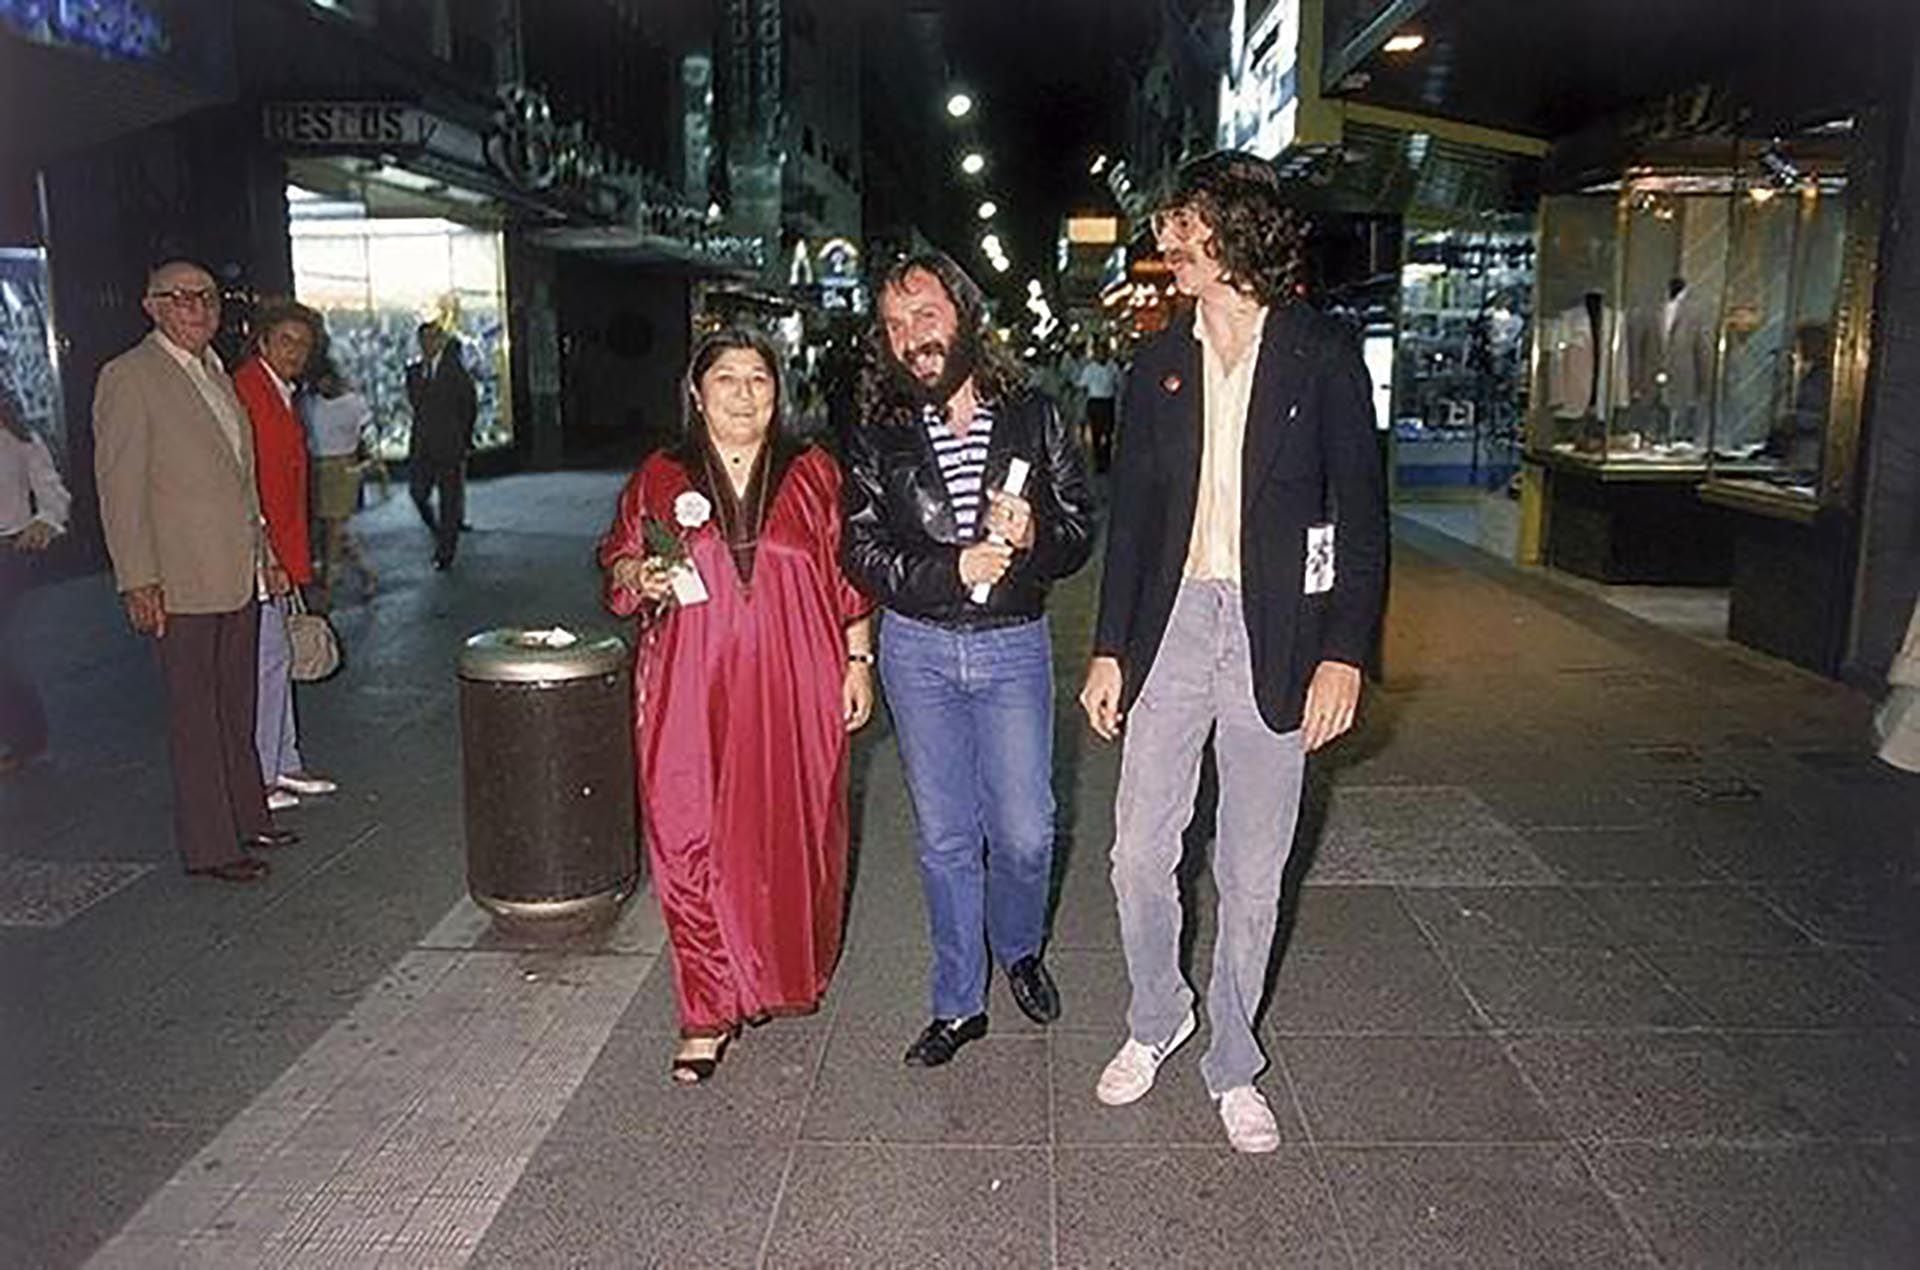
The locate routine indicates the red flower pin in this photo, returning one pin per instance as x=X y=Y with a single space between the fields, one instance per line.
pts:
x=1171 y=383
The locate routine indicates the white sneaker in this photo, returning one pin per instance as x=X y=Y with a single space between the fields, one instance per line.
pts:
x=1250 y=1124
x=281 y=800
x=1129 y=1075
x=306 y=783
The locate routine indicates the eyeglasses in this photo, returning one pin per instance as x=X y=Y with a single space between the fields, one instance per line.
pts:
x=181 y=297
x=1176 y=225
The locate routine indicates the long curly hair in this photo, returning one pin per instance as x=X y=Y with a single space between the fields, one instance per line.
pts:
x=886 y=391
x=1258 y=239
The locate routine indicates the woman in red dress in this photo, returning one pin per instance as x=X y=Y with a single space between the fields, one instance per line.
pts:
x=756 y=662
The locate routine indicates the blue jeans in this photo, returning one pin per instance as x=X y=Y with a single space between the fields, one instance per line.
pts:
x=973 y=713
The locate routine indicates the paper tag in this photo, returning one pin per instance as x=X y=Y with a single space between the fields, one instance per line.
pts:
x=688 y=588
x=1319 y=570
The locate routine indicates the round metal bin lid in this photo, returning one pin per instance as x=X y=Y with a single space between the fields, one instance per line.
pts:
x=518 y=654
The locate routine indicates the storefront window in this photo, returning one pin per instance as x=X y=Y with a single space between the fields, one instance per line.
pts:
x=377 y=280
x=1689 y=317
x=1578 y=319
x=1459 y=383
x=1674 y=275
x=27 y=366
x=1784 y=293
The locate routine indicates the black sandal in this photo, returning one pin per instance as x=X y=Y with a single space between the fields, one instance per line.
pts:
x=699 y=1066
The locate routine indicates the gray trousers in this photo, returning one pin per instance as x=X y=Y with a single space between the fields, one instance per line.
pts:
x=275 y=734
x=1201 y=682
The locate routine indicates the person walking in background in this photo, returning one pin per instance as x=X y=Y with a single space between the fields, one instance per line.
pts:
x=285 y=335
x=441 y=395
x=173 y=459
x=1244 y=580
x=1098 y=378
x=337 y=417
x=33 y=512
x=756 y=662
x=962 y=566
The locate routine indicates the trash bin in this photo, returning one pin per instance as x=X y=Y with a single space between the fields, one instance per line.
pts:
x=547 y=757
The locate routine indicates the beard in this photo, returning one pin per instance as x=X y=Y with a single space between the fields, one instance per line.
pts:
x=959 y=360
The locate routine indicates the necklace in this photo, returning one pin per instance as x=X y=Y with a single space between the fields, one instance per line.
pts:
x=741 y=541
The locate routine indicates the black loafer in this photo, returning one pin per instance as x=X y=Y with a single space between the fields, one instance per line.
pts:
x=942 y=1040
x=268 y=839
x=245 y=869
x=1033 y=989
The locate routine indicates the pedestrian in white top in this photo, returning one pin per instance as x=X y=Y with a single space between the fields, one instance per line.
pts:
x=33 y=512
x=337 y=419
x=1098 y=379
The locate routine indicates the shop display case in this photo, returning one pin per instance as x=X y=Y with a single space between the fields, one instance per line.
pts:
x=1698 y=369
x=1632 y=286
x=1687 y=319
x=1631 y=280
x=1787 y=410
x=1794 y=350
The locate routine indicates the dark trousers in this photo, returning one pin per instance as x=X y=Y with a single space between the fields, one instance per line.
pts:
x=23 y=720
x=451 y=482
x=210 y=662
x=1100 y=424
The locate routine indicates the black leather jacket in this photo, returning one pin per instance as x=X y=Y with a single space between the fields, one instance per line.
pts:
x=902 y=546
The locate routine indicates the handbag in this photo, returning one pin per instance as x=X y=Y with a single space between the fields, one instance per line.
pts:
x=315 y=645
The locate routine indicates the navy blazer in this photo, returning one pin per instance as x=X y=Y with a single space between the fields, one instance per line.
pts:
x=1310 y=457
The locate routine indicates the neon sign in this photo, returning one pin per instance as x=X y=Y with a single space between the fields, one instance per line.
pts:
x=1259 y=94
x=112 y=28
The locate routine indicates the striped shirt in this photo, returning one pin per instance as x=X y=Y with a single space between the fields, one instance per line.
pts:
x=963 y=464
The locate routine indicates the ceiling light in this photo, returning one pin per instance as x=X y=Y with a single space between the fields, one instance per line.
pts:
x=973 y=163
x=990 y=244
x=988 y=209
x=959 y=105
x=1407 y=42
x=1001 y=264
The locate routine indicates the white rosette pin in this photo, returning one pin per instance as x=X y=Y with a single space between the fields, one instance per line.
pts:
x=692 y=509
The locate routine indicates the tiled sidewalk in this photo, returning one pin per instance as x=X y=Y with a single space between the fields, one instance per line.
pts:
x=1601 y=951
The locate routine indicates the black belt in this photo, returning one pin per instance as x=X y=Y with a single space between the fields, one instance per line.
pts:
x=972 y=622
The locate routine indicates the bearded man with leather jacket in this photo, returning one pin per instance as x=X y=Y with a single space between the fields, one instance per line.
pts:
x=960 y=553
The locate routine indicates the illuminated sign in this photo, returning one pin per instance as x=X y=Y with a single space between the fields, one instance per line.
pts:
x=348 y=124
x=112 y=28
x=839 y=263
x=1260 y=93
x=1099 y=231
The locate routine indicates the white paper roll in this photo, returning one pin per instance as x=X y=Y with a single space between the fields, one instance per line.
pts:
x=1017 y=470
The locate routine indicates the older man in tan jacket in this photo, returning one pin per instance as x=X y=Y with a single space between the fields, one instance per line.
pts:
x=174 y=460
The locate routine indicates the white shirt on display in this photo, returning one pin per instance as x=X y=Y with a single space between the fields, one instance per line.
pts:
x=30 y=486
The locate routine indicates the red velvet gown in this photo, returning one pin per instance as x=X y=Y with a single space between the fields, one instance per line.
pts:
x=742 y=747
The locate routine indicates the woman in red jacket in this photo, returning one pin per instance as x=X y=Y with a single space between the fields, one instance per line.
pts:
x=284 y=338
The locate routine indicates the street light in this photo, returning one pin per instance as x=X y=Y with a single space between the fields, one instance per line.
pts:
x=1001 y=264
x=973 y=163
x=988 y=209
x=1099 y=165
x=959 y=106
x=991 y=244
